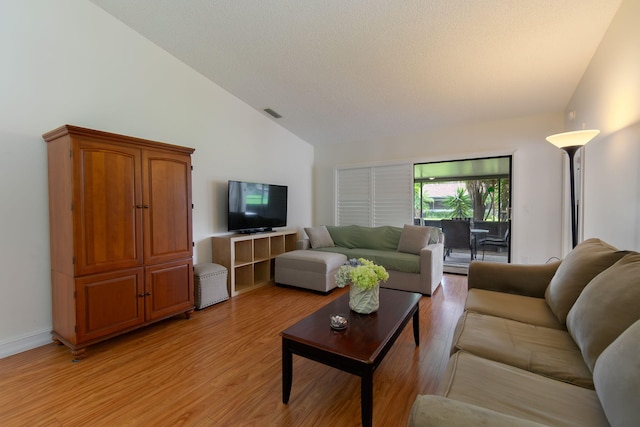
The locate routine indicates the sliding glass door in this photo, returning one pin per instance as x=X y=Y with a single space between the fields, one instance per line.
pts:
x=475 y=190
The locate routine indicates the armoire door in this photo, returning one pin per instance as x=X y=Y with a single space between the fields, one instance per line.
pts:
x=107 y=207
x=166 y=206
x=109 y=302
x=168 y=289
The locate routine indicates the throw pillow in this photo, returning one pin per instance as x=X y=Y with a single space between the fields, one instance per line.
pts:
x=435 y=235
x=582 y=264
x=617 y=378
x=413 y=239
x=606 y=307
x=319 y=237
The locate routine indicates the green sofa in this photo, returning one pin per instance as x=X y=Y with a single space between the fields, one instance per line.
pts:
x=555 y=344
x=412 y=255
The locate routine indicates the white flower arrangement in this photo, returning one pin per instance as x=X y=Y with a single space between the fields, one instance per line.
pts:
x=361 y=273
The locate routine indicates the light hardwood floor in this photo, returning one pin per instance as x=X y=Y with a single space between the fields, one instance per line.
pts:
x=223 y=368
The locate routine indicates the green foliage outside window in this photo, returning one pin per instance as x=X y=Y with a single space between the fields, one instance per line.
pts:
x=421 y=205
x=460 y=204
x=482 y=200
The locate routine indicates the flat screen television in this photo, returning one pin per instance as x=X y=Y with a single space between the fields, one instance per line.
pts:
x=255 y=207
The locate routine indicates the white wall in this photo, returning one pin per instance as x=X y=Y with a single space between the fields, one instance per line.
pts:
x=608 y=98
x=537 y=173
x=70 y=62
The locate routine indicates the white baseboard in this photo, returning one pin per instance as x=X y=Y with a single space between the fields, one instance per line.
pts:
x=27 y=342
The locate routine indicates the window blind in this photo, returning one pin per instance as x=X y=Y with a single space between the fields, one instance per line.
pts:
x=375 y=196
x=392 y=195
x=353 y=197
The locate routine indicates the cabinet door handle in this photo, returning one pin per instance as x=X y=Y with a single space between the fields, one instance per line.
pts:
x=138 y=206
x=141 y=295
x=147 y=293
x=146 y=206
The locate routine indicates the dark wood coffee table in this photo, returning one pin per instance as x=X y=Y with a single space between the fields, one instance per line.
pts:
x=359 y=348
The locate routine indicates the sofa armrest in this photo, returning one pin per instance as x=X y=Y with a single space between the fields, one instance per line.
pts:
x=522 y=279
x=303 y=244
x=438 y=411
x=431 y=265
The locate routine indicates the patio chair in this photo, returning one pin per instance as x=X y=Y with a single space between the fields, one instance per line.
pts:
x=498 y=242
x=457 y=235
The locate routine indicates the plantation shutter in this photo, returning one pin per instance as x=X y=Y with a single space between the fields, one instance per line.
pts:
x=392 y=195
x=354 y=196
x=375 y=196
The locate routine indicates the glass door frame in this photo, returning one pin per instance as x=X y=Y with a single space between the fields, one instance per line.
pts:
x=481 y=168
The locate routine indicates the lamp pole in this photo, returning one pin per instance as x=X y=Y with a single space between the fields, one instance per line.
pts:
x=570 y=142
x=571 y=151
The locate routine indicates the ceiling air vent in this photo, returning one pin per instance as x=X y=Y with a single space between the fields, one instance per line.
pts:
x=272 y=113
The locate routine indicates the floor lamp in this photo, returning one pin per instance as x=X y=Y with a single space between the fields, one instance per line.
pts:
x=571 y=142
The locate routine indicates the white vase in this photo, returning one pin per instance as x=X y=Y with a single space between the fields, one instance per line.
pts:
x=364 y=301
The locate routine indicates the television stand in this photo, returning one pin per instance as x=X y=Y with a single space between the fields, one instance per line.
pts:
x=250 y=258
x=256 y=230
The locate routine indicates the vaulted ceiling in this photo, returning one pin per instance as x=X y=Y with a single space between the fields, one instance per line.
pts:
x=362 y=70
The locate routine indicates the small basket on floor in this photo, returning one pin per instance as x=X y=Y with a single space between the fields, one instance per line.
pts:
x=210 y=282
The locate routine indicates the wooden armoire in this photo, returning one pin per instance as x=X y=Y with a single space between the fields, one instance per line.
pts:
x=121 y=238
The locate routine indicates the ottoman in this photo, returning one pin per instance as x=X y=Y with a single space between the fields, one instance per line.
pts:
x=210 y=282
x=308 y=269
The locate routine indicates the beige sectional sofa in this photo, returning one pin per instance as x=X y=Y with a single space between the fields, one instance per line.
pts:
x=412 y=255
x=555 y=344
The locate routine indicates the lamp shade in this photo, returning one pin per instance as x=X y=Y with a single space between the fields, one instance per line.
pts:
x=573 y=139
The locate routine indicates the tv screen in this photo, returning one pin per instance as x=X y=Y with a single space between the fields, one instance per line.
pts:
x=255 y=207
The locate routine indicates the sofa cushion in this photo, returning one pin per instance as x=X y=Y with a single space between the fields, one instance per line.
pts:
x=617 y=378
x=608 y=305
x=437 y=411
x=384 y=238
x=530 y=280
x=582 y=264
x=521 y=308
x=391 y=260
x=414 y=238
x=512 y=391
x=545 y=351
x=344 y=236
x=319 y=237
x=356 y=236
